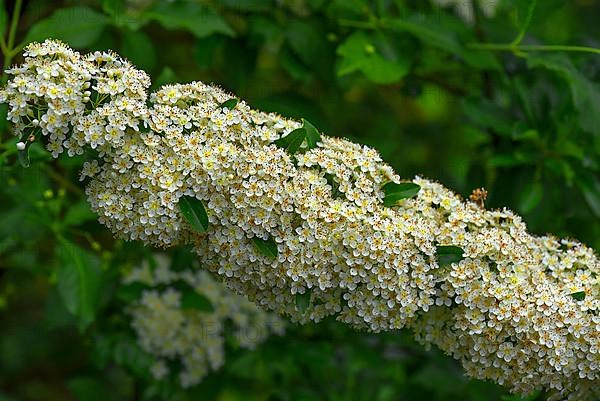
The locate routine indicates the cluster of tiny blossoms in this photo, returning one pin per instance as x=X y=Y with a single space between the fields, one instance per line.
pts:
x=506 y=311
x=192 y=339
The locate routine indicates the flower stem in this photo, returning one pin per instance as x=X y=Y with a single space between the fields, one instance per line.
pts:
x=533 y=48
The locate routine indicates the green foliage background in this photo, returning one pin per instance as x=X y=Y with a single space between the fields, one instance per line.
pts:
x=406 y=77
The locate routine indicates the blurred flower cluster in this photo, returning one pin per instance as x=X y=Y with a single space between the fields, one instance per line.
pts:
x=518 y=309
x=177 y=333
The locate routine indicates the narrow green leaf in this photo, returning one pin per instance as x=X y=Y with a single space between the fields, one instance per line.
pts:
x=531 y=197
x=448 y=254
x=312 y=134
x=79 y=278
x=191 y=299
x=230 y=104
x=194 y=213
x=396 y=192
x=292 y=141
x=303 y=300
x=578 y=296
x=335 y=186
x=267 y=247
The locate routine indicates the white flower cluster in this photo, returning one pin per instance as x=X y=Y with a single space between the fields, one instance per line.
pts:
x=191 y=339
x=518 y=309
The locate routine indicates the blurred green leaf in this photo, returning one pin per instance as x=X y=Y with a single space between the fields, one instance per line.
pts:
x=78 y=213
x=448 y=254
x=79 y=26
x=590 y=187
x=266 y=247
x=578 y=296
x=358 y=53
x=128 y=354
x=487 y=114
x=584 y=93
x=89 y=389
x=79 y=279
x=138 y=49
x=303 y=300
x=191 y=299
x=194 y=213
x=445 y=33
x=166 y=76
x=199 y=19
x=530 y=197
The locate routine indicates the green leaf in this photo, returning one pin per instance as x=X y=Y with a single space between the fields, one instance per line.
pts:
x=79 y=26
x=131 y=356
x=578 y=296
x=138 y=48
x=305 y=38
x=191 y=299
x=445 y=33
x=584 y=93
x=531 y=197
x=589 y=184
x=312 y=134
x=396 y=192
x=358 y=53
x=292 y=141
x=78 y=213
x=487 y=114
x=303 y=300
x=335 y=186
x=88 y=389
x=196 y=18
x=266 y=247
x=166 y=76
x=79 y=279
x=448 y=254
x=131 y=292
x=230 y=104
x=194 y=213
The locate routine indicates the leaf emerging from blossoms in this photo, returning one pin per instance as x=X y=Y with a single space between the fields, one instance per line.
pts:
x=194 y=213
x=396 y=192
x=230 y=104
x=303 y=300
x=312 y=134
x=292 y=141
x=266 y=247
x=578 y=296
x=449 y=254
x=191 y=299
